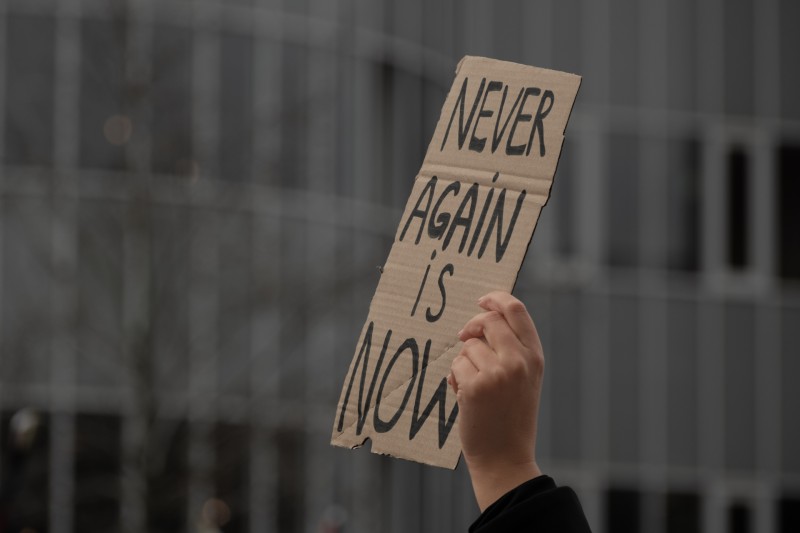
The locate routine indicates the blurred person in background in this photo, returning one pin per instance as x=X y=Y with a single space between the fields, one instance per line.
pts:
x=20 y=472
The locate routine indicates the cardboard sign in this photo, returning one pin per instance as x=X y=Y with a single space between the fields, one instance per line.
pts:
x=465 y=231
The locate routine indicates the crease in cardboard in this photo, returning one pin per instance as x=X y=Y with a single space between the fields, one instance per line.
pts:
x=461 y=235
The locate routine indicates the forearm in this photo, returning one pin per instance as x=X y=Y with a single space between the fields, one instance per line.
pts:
x=490 y=482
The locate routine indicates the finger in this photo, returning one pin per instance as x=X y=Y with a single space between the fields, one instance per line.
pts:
x=479 y=353
x=515 y=313
x=473 y=328
x=451 y=380
x=463 y=371
x=492 y=326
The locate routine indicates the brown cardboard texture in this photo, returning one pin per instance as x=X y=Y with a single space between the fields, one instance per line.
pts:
x=464 y=232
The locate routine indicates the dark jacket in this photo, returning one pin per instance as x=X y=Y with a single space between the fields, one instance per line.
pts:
x=536 y=506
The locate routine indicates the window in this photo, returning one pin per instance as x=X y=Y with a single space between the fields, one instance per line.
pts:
x=788 y=196
x=738 y=212
x=740 y=350
x=790 y=392
x=789 y=513
x=683 y=204
x=24 y=474
x=100 y=282
x=105 y=127
x=231 y=476
x=29 y=82
x=739 y=518
x=564 y=372
x=623 y=510
x=25 y=280
x=236 y=81
x=789 y=72
x=682 y=379
x=98 y=467
x=683 y=512
x=291 y=480
x=739 y=57
x=172 y=101
x=562 y=199
x=682 y=54
x=168 y=477
x=625 y=49
x=624 y=379
x=623 y=200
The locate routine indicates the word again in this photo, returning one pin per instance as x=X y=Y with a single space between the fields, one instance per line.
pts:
x=442 y=225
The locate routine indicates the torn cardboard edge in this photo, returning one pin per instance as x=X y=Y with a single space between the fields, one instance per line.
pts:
x=465 y=231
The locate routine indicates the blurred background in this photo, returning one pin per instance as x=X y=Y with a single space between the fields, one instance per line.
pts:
x=195 y=197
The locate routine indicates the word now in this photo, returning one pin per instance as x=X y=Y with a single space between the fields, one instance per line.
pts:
x=380 y=424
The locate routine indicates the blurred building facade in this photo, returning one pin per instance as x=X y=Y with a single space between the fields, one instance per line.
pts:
x=195 y=195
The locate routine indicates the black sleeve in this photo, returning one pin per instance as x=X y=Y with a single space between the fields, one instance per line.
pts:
x=536 y=506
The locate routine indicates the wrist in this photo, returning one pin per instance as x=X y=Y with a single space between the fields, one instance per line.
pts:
x=491 y=480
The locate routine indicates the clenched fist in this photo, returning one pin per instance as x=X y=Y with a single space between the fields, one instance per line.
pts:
x=497 y=379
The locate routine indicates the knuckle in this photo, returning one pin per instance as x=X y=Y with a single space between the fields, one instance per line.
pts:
x=481 y=387
x=495 y=315
x=538 y=360
x=516 y=307
x=470 y=345
x=498 y=375
x=517 y=367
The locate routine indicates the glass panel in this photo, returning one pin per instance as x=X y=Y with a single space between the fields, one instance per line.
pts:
x=683 y=208
x=100 y=260
x=788 y=213
x=563 y=369
x=236 y=81
x=508 y=26
x=682 y=54
x=683 y=512
x=682 y=401
x=624 y=379
x=231 y=477
x=168 y=477
x=170 y=270
x=291 y=480
x=562 y=199
x=623 y=510
x=29 y=80
x=790 y=70
x=623 y=200
x=738 y=212
x=104 y=128
x=739 y=518
x=739 y=57
x=294 y=118
x=98 y=468
x=624 y=17
x=172 y=101
x=789 y=513
x=26 y=280
x=790 y=392
x=567 y=39
x=236 y=297
x=292 y=300
x=739 y=371
x=25 y=470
